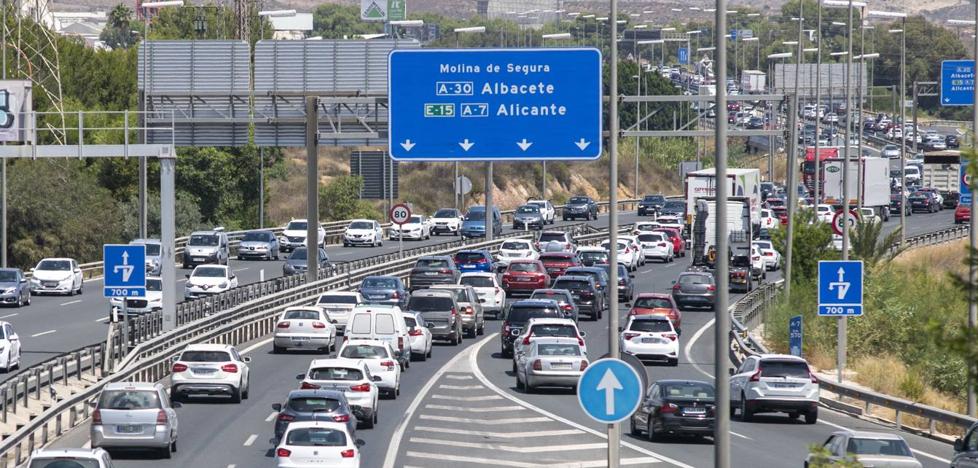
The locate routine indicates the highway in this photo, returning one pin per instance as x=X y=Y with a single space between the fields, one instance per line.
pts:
x=462 y=407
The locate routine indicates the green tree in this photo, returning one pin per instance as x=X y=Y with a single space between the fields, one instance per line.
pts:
x=118 y=32
x=187 y=216
x=331 y=21
x=865 y=243
x=812 y=242
x=340 y=199
x=821 y=458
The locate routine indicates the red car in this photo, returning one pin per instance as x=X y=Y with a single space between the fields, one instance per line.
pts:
x=782 y=213
x=525 y=276
x=678 y=243
x=962 y=214
x=657 y=304
x=557 y=262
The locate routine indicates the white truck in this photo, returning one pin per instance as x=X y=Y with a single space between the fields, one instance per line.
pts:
x=942 y=170
x=742 y=183
x=875 y=185
x=753 y=81
x=706 y=90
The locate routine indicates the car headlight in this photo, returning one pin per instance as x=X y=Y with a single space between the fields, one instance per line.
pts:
x=35 y=281
x=10 y=290
x=67 y=280
x=158 y=299
x=223 y=284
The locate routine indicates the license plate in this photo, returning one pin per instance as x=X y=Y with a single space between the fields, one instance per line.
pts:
x=652 y=340
x=204 y=370
x=128 y=428
x=300 y=338
x=694 y=410
x=378 y=297
x=198 y=259
x=577 y=298
x=251 y=248
x=430 y=273
x=783 y=385
x=560 y=365
x=524 y=280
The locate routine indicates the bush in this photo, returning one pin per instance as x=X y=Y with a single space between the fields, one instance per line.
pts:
x=912 y=386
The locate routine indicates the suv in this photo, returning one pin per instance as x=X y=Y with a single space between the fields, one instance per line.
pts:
x=294 y=235
x=650 y=205
x=547 y=211
x=519 y=314
x=432 y=270
x=210 y=369
x=585 y=293
x=557 y=262
x=474 y=260
x=774 y=383
x=206 y=247
x=350 y=376
x=600 y=278
x=580 y=207
x=489 y=289
x=74 y=457
x=154 y=252
x=470 y=307
x=474 y=224
x=440 y=311
x=561 y=237
x=313 y=405
x=446 y=221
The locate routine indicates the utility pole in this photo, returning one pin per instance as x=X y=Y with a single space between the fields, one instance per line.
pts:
x=721 y=329
x=490 y=218
x=860 y=188
x=792 y=149
x=312 y=188
x=614 y=430
x=841 y=331
x=818 y=105
x=973 y=272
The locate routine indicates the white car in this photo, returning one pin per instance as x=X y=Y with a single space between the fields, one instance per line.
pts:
x=650 y=338
x=151 y=302
x=824 y=213
x=71 y=457
x=420 y=335
x=870 y=449
x=768 y=220
x=9 y=347
x=669 y=221
x=363 y=232
x=56 y=276
x=868 y=215
x=626 y=255
x=338 y=305
x=635 y=246
x=656 y=245
x=418 y=227
x=294 y=235
x=380 y=359
x=645 y=226
x=304 y=327
x=446 y=221
x=318 y=444
x=758 y=266
x=490 y=292
x=551 y=362
x=516 y=249
x=774 y=383
x=547 y=211
x=207 y=280
x=772 y=258
x=350 y=376
x=210 y=369
x=537 y=328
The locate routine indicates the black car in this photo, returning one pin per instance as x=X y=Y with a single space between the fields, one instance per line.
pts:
x=431 y=270
x=586 y=295
x=896 y=200
x=767 y=189
x=952 y=141
x=951 y=198
x=626 y=287
x=676 y=407
x=519 y=313
x=580 y=207
x=755 y=123
x=674 y=208
x=650 y=205
x=924 y=201
x=314 y=405
x=599 y=275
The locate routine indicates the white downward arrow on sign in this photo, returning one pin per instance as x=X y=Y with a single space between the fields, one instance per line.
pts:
x=609 y=383
x=407 y=145
x=524 y=145
x=466 y=144
x=582 y=144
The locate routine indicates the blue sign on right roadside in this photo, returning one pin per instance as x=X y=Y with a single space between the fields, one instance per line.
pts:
x=794 y=335
x=965 y=180
x=683 y=56
x=609 y=391
x=957 y=82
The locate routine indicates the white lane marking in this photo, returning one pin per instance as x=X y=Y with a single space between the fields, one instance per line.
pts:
x=455 y=377
x=10 y=315
x=462 y=398
x=256 y=346
x=475 y=410
x=511 y=448
x=250 y=440
x=474 y=363
x=499 y=435
x=239 y=269
x=232 y=466
x=181 y=280
x=71 y=302
x=103 y=319
x=918 y=452
x=461 y=387
x=692 y=341
x=488 y=422
x=43 y=333
x=494 y=462
x=740 y=435
x=395 y=441
x=271 y=416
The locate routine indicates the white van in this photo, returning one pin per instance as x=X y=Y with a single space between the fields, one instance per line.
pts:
x=384 y=323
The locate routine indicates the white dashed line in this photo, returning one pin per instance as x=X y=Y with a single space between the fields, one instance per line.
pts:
x=475 y=410
x=239 y=269
x=500 y=435
x=455 y=377
x=9 y=315
x=71 y=302
x=461 y=387
x=103 y=319
x=43 y=333
x=271 y=416
x=251 y=440
x=492 y=422
x=510 y=448
x=462 y=398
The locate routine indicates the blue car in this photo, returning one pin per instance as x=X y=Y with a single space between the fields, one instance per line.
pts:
x=385 y=290
x=474 y=223
x=474 y=260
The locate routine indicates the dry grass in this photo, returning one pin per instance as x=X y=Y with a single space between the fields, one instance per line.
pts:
x=943 y=257
x=883 y=374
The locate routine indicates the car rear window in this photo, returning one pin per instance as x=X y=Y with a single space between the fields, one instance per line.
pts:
x=302 y=315
x=522 y=314
x=558 y=350
x=410 y=322
x=594 y=255
x=338 y=300
x=564 y=331
x=379 y=283
x=653 y=303
x=59 y=462
x=432 y=263
x=571 y=284
x=514 y=246
x=430 y=303
x=477 y=281
x=205 y=356
x=695 y=279
x=361 y=323
x=468 y=257
x=558 y=296
x=657 y=326
x=385 y=324
x=891 y=447
x=552 y=236
x=775 y=368
x=528 y=267
x=128 y=400
x=310 y=404
x=316 y=437
x=649 y=238
x=335 y=373
x=685 y=390
x=363 y=351
x=547 y=260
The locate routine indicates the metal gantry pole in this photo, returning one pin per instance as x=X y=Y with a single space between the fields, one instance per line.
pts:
x=490 y=219
x=860 y=188
x=3 y=163
x=721 y=330
x=261 y=186
x=614 y=434
x=973 y=238
x=841 y=331
x=792 y=158
x=168 y=271
x=312 y=188
x=818 y=103
x=145 y=104
x=903 y=144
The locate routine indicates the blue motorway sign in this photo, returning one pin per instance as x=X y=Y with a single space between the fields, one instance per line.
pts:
x=840 y=287
x=125 y=270
x=683 y=56
x=609 y=391
x=495 y=104
x=957 y=82
x=794 y=335
x=733 y=34
x=964 y=180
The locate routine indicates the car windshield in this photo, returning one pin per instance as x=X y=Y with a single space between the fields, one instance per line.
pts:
x=658 y=326
x=152 y=250
x=674 y=205
x=477 y=281
x=885 y=447
x=577 y=200
x=209 y=272
x=128 y=400
x=154 y=285
x=654 y=198
x=337 y=299
x=362 y=351
x=558 y=350
x=695 y=279
x=432 y=263
x=653 y=303
x=205 y=356
x=522 y=314
x=430 y=303
x=514 y=246
x=475 y=215
x=54 y=265
x=297 y=226
x=61 y=462
x=300 y=254
x=528 y=209
x=379 y=283
x=524 y=267
x=650 y=238
x=302 y=315
x=206 y=240
x=763 y=245
x=784 y=369
x=415 y=220
x=361 y=225
x=316 y=437
x=312 y=404
x=570 y=284
x=257 y=237
x=566 y=331
x=687 y=390
x=8 y=276
x=552 y=236
x=445 y=213
x=335 y=373
x=469 y=257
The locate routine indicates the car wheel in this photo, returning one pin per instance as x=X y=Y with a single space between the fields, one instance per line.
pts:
x=455 y=339
x=370 y=423
x=80 y=286
x=247 y=390
x=519 y=383
x=428 y=354
x=650 y=431
x=166 y=452
x=632 y=429
x=673 y=362
x=514 y=366
x=28 y=298
x=277 y=349
x=236 y=395
x=811 y=417
x=745 y=412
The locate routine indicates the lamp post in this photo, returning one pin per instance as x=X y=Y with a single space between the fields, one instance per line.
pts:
x=770 y=161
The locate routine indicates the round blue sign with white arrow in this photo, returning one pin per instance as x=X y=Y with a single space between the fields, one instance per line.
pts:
x=609 y=391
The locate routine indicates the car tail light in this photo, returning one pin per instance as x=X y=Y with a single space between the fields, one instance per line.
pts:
x=663 y=244
x=454 y=312
x=444 y=270
x=812 y=375
x=308 y=386
x=537 y=364
x=768 y=254
x=230 y=368
x=567 y=307
x=179 y=367
x=583 y=365
x=468 y=310
x=349 y=453
x=318 y=325
x=96 y=418
x=161 y=417
x=671 y=336
x=286 y=417
x=628 y=336
x=342 y=418
x=395 y=295
x=388 y=364
x=711 y=288
x=669 y=408
x=364 y=387
x=756 y=376
x=676 y=287
x=283 y=453
x=283 y=325
x=415 y=332
x=526 y=341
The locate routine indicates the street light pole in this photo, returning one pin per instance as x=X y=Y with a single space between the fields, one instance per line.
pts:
x=721 y=331
x=842 y=323
x=614 y=435
x=817 y=179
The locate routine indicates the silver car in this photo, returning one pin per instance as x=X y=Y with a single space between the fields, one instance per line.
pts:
x=154 y=252
x=135 y=415
x=262 y=245
x=774 y=383
x=550 y=362
x=876 y=449
x=13 y=287
x=470 y=308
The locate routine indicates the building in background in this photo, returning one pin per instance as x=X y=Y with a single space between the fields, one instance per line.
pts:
x=528 y=13
x=294 y=28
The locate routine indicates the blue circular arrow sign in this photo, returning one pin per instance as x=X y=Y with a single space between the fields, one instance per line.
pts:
x=609 y=391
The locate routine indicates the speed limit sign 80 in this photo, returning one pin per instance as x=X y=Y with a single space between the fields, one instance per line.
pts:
x=400 y=214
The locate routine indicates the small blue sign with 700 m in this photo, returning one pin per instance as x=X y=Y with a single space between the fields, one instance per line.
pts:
x=470 y=105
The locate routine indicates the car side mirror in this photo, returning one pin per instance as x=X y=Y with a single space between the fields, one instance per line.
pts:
x=233 y=277
x=621 y=329
x=176 y=404
x=23 y=280
x=730 y=371
x=246 y=359
x=300 y=377
x=187 y=275
x=959 y=445
x=583 y=334
x=377 y=378
x=277 y=406
x=360 y=443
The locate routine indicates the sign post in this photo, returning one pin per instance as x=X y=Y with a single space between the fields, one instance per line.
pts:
x=957 y=82
x=965 y=185
x=794 y=335
x=396 y=10
x=840 y=288
x=400 y=214
x=125 y=277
